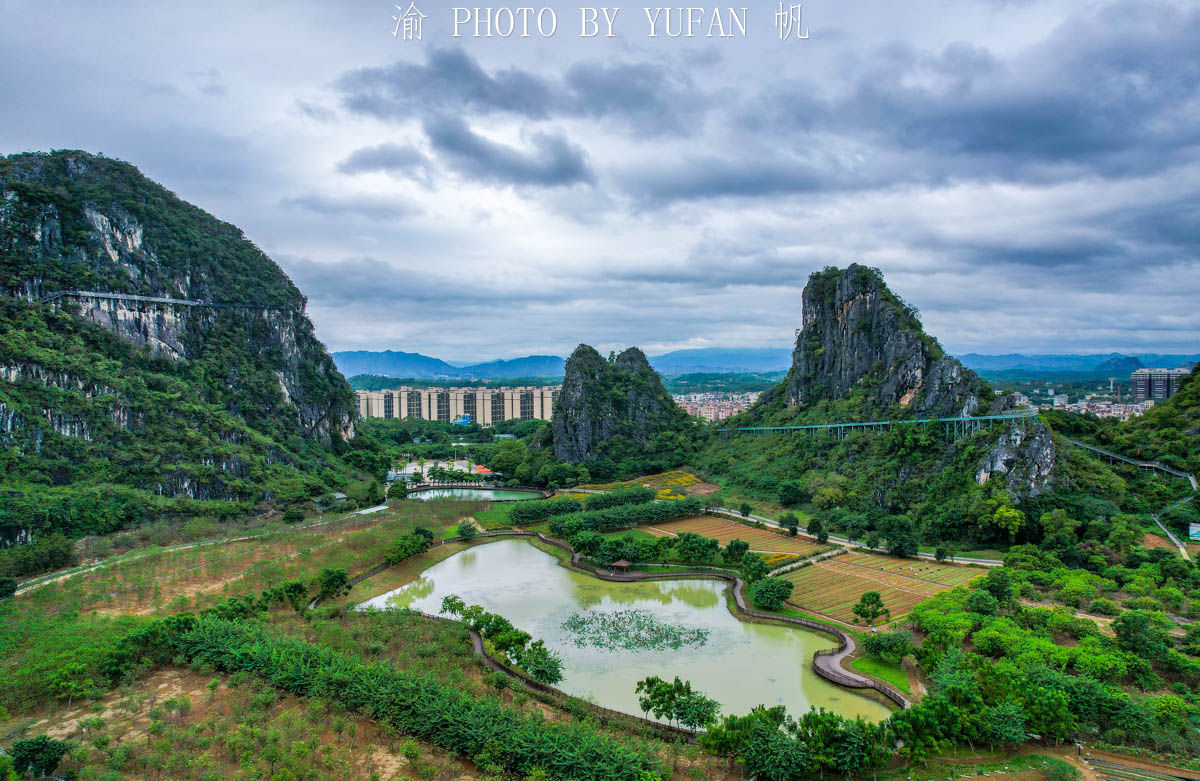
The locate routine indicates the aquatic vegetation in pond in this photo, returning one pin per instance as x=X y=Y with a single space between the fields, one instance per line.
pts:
x=632 y=630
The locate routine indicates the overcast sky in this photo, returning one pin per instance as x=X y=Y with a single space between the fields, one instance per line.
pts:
x=1026 y=173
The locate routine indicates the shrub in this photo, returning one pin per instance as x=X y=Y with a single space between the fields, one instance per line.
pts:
x=293 y=515
x=521 y=513
x=39 y=756
x=771 y=593
x=1104 y=607
x=889 y=646
x=634 y=494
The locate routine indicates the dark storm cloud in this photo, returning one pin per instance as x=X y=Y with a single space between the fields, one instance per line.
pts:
x=1094 y=98
x=1095 y=95
x=400 y=160
x=370 y=208
x=648 y=97
x=551 y=160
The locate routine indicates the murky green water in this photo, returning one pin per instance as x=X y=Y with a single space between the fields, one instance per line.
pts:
x=474 y=494
x=741 y=665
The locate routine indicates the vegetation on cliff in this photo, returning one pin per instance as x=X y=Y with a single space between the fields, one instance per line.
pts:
x=615 y=417
x=113 y=412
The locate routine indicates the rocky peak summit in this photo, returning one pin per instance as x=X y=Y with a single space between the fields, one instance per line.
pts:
x=858 y=334
x=610 y=408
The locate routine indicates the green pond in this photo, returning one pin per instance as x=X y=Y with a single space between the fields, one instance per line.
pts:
x=474 y=494
x=741 y=665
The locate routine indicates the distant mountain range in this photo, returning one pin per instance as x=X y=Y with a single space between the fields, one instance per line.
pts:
x=721 y=360
x=1117 y=363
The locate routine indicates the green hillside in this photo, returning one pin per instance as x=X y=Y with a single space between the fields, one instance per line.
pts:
x=114 y=412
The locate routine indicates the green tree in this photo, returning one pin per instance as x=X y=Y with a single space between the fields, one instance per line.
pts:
x=734 y=551
x=791 y=523
x=1004 y=724
x=38 y=756
x=332 y=582
x=771 y=593
x=544 y=664
x=869 y=608
x=293 y=515
x=695 y=548
x=790 y=494
x=398 y=490
x=745 y=509
x=817 y=529
x=466 y=530
x=8 y=587
x=754 y=567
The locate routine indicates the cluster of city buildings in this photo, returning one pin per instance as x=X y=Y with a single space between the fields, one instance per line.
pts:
x=1156 y=384
x=484 y=406
x=715 y=406
x=1147 y=386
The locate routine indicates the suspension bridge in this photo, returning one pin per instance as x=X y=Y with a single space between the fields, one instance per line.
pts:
x=955 y=428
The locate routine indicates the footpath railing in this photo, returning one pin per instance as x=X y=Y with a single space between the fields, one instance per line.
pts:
x=1165 y=470
x=825 y=663
x=56 y=295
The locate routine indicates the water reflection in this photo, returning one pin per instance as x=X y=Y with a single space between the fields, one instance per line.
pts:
x=741 y=665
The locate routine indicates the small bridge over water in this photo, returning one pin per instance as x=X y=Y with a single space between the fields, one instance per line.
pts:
x=953 y=428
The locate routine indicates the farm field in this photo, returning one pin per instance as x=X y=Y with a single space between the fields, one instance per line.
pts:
x=832 y=587
x=723 y=530
x=934 y=572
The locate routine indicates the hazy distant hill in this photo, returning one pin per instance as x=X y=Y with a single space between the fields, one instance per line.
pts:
x=712 y=360
x=391 y=363
x=1119 y=366
x=530 y=366
x=723 y=360
x=1072 y=363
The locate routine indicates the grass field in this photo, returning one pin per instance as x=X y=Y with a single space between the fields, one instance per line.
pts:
x=832 y=587
x=725 y=530
x=890 y=673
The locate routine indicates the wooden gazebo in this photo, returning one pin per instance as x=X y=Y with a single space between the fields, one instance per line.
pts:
x=622 y=565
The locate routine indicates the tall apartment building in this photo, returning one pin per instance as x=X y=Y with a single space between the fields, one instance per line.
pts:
x=484 y=405
x=1156 y=384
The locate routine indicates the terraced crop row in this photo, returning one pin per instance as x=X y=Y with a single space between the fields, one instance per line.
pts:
x=834 y=586
x=945 y=574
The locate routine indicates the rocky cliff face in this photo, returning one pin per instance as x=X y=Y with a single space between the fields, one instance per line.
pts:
x=859 y=340
x=609 y=409
x=220 y=391
x=73 y=221
x=858 y=335
x=1024 y=458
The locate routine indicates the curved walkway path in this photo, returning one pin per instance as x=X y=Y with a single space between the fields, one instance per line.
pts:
x=826 y=663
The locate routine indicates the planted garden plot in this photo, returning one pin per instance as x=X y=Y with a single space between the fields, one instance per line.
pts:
x=921 y=569
x=832 y=587
x=723 y=530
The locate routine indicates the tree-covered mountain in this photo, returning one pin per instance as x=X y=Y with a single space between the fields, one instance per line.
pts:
x=863 y=355
x=617 y=410
x=115 y=409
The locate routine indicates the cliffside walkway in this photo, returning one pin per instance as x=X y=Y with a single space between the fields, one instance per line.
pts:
x=955 y=427
x=59 y=294
x=1111 y=456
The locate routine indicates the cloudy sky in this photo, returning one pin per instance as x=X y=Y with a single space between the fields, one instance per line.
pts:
x=1025 y=173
